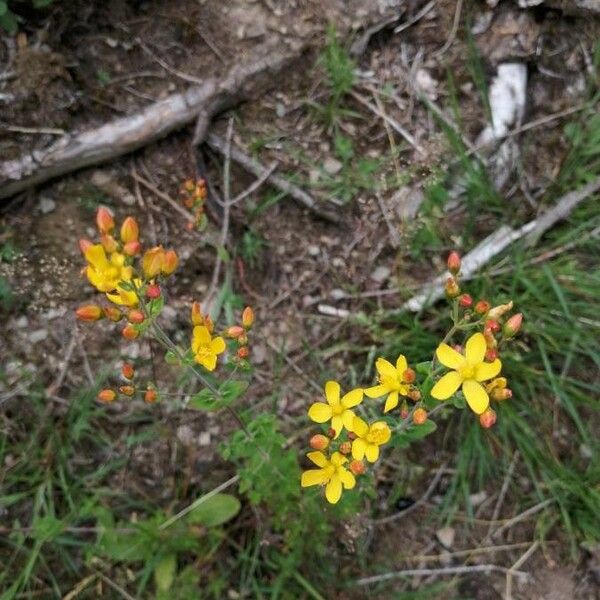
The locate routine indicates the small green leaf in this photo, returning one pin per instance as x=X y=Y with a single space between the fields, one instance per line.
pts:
x=423 y=368
x=164 y=572
x=204 y=400
x=156 y=306
x=459 y=401
x=232 y=390
x=3 y=8
x=223 y=254
x=216 y=510
x=171 y=358
x=47 y=528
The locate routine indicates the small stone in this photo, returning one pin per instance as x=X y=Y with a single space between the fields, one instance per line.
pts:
x=21 y=322
x=314 y=250
x=280 y=110
x=332 y=166
x=204 y=438
x=47 y=205
x=445 y=536
x=380 y=274
x=313 y=176
x=185 y=435
x=258 y=354
x=39 y=335
x=337 y=294
x=478 y=498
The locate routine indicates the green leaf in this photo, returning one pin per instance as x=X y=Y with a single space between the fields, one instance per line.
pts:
x=232 y=390
x=156 y=306
x=458 y=401
x=164 y=572
x=228 y=393
x=47 y=528
x=223 y=254
x=216 y=510
x=9 y=23
x=3 y=8
x=204 y=400
x=171 y=358
x=423 y=368
x=415 y=432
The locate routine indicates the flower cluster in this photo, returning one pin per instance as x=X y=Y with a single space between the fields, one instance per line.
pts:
x=194 y=196
x=466 y=375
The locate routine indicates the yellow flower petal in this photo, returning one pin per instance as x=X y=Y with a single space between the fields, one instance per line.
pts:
x=338 y=459
x=385 y=368
x=96 y=256
x=338 y=424
x=391 y=402
x=401 y=364
x=485 y=371
x=476 y=396
x=201 y=337
x=348 y=419
x=449 y=357
x=348 y=480
x=372 y=452
x=358 y=449
x=332 y=392
x=446 y=386
x=376 y=391
x=208 y=361
x=314 y=477
x=217 y=345
x=333 y=491
x=381 y=428
x=319 y=412
x=475 y=349
x=352 y=398
x=318 y=458
x=359 y=427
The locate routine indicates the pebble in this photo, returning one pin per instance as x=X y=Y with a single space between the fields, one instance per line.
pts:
x=445 y=536
x=39 y=335
x=332 y=166
x=204 y=438
x=380 y=274
x=478 y=498
x=314 y=250
x=47 y=205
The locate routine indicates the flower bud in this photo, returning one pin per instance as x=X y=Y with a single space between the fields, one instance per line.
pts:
x=500 y=394
x=152 y=261
x=109 y=243
x=112 y=313
x=352 y=436
x=465 y=301
x=452 y=290
x=243 y=352
x=169 y=262
x=235 y=331
x=208 y=323
x=150 y=396
x=414 y=395
x=419 y=416
x=331 y=432
x=84 y=245
x=89 y=313
x=129 y=332
x=107 y=396
x=454 y=263
x=492 y=325
x=127 y=390
x=482 y=307
x=129 y=230
x=513 y=325
x=491 y=354
x=127 y=371
x=487 y=418
x=319 y=442
x=247 y=317
x=196 y=316
x=346 y=447
x=498 y=311
x=153 y=291
x=132 y=248
x=404 y=410
x=357 y=467
x=104 y=220
x=136 y=316
x=409 y=376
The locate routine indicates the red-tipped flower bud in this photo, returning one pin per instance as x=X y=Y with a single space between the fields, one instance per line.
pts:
x=409 y=376
x=235 y=331
x=129 y=332
x=452 y=290
x=419 y=416
x=243 y=352
x=357 y=467
x=465 y=301
x=89 y=313
x=107 y=396
x=104 y=220
x=136 y=316
x=482 y=307
x=128 y=371
x=112 y=313
x=153 y=291
x=454 y=263
x=513 y=325
x=84 y=245
x=487 y=418
x=109 y=243
x=152 y=261
x=132 y=248
x=500 y=394
x=492 y=325
x=491 y=354
x=500 y=310
x=196 y=316
x=170 y=262
x=127 y=390
x=247 y=317
x=150 y=396
x=414 y=395
x=331 y=432
x=319 y=442
x=346 y=447
x=130 y=231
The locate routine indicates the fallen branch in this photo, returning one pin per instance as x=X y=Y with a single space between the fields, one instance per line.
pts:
x=121 y=136
x=253 y=166
x=495 y=243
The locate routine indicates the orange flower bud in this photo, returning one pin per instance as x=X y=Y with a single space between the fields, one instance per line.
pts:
x=351 y=435
x=414 y=395
x=129 y=230
x=357 y=467
x=482 y=307
x=513 y=325
x=136 y=316
x=84 y=245
x=346 y=447
x=170 y=262
x=452 y=290
x=127 y=390
x=128 y=371
x=208 y=323
x=112 y=313
x=196 y=317
x=89 y=313
x=409 y=376
x=247 y=317
x=319 y=442
x=500 y=394
x=243 y=352
x=419 y=416
x=487 y=418
x=107 y=396
x=153 y=291
x=465 y=301
x=491 y=354
x=104 y=220
x=132 y=248
x=454 y=263
x=129 y=332
x=108 y=243
x=152 y=261
x=235 y=331
x=150 y=396
x=500 y=310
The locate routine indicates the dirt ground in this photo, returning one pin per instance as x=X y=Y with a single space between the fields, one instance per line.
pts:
x=77 y=65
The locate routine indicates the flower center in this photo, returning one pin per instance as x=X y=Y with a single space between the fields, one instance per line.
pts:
x=376 y=436
x=337 y=409
x=467 y=372
x=391 y=383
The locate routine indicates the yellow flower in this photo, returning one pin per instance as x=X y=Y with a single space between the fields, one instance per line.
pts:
x=336 y=409
x=391 y=382
x=206 y=348
x=125 y=297
x=104 y=273
x=369 y=438
x=469 y=371
x=331 y=473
